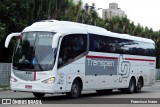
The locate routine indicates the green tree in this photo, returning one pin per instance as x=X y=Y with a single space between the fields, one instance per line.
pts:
x=78 y=10
x=2 y=31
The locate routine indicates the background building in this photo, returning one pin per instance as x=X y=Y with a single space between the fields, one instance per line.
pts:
x=112 y=11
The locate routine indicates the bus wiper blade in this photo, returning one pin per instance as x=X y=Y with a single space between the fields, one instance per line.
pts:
x=38 y=64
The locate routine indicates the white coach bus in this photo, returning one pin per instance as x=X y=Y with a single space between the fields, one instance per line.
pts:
x=66 y=57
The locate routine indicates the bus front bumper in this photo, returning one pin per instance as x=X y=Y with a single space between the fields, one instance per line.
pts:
x=27 y=87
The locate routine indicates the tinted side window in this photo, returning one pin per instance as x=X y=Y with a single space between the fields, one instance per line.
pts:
x=95 y=43
x=128 y=46
x=71 y=47
x=145 y=49
x=99 y=43
x=152 y=51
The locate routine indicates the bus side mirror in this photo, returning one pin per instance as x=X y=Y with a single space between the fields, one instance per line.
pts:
x=8 y=39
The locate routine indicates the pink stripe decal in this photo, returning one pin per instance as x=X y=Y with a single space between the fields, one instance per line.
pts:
x=34 y=75
x=103 y=57
x=135 y=59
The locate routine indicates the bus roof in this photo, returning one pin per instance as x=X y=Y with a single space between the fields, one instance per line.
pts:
x=65 y=26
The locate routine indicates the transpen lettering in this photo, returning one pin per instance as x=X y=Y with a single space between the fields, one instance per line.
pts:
x=102 y=63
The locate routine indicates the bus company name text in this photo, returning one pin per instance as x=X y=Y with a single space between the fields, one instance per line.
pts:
x=101 y=63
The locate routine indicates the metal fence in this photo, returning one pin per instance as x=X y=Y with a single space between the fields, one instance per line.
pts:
x=5 y=69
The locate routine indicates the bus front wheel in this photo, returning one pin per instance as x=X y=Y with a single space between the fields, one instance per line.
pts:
x=39 y=95
x=75 y=90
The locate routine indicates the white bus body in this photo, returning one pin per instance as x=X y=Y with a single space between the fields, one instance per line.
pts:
x=66 y=57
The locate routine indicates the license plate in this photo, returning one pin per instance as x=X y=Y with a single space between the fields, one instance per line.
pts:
x=28 y=86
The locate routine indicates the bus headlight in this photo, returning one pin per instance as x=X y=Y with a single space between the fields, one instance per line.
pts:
x=13 y=79
x=49 y=81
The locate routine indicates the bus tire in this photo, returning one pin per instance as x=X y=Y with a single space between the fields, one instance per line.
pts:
x=139 y=85
x=38 y=95
x=132 y=86
x=75 y=90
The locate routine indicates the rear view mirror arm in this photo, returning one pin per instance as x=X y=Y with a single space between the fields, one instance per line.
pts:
x=9 y=37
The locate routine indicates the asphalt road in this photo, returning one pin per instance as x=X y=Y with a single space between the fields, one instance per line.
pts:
x=90 y=98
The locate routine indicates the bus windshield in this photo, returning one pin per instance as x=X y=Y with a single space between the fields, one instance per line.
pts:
x=34 y=52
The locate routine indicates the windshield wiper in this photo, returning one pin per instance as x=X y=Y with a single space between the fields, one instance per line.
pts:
x=39 y=65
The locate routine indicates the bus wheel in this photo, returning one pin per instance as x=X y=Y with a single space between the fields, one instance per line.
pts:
x=75 y=90
x=132 y=86
x=39 y=95
x=139 y=85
